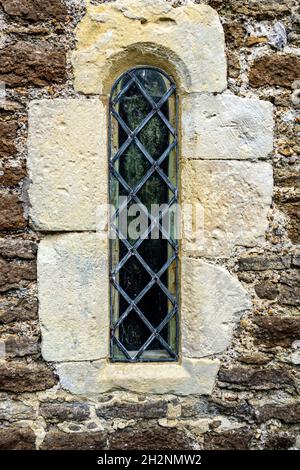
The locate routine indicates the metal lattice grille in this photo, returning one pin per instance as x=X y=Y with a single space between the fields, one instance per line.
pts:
x=143 y=170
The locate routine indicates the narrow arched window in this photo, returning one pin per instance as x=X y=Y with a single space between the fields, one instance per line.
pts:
x=143 y=193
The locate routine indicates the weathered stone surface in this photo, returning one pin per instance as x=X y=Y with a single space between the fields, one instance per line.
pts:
x=55 y=411
x=275 y=69
x=234 y=66
x=277 y=331
x=264 y=263
x=242 y=378
x=286 y=146
x=257 y=358
x=296 y=261
x=266 y=290
x=193 y=376
x=13 y=273
x=212 y=303
x=268 y=9
x=22 y=28
x=238 y=408
x=235 y=197
x=21 y=377
x=145 y=437
x=67 y=166
x=191 y=408
x=11 y=173
x=8 y=106
x=59 y=440
x=17 y=439
x=226 y=127
x=289 y=288
x=288 y=413
x=287 y=177
x=149 y=409
x=20 y=346
x=73 y=294
x=293 y=32
x=115 y=36
x=255 y=40
x=292 y=210
x=35 y=10
x=14 y=410
x=12 y=216
x=235 y=439
x=235 y=34
x=14 y=308
x=295 y=358
x=290 y=278
x=18 y=248
x=283 y=98
x=278 y=36
x=279 y=441
x=141 y=437
x=8 y=134
x=27 y=64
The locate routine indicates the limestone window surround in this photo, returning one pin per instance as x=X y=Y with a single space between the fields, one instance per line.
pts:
x=224 y=142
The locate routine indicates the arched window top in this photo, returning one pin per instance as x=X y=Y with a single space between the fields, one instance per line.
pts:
x=143 y=176
x=151 y=78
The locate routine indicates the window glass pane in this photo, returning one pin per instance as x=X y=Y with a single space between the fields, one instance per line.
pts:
x=143 y=176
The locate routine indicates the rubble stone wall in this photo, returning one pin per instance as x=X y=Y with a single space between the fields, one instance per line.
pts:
x=255 y=401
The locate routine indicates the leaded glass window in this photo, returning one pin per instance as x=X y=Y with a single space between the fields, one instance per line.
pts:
x=143 y=194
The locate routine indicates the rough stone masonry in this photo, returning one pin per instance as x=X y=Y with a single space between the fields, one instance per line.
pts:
x=254 y=403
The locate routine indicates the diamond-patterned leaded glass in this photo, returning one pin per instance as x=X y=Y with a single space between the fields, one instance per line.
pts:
x=143 y=192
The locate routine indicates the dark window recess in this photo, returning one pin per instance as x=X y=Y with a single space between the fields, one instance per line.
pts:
x=143 y=170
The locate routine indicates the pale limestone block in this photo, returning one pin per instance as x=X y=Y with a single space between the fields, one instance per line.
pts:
x=187 y=42
x=200 y=425
x=226 y=127
x=235 y=196
x=73 y=296
x=295 y=358
x=213 y=301
x=67 y=163
x=193 y=376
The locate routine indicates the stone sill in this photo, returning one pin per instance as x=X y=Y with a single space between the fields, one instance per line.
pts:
x=191 y=377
